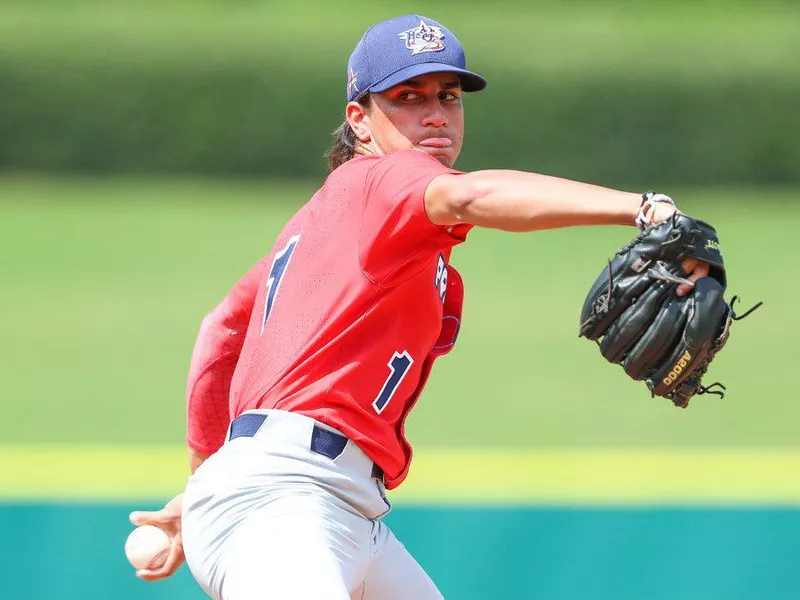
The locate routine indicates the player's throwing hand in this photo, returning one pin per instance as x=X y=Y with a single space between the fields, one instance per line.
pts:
x=167 y=519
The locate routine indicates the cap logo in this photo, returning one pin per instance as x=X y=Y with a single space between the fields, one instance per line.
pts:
x=352 y=88
x=424 y=38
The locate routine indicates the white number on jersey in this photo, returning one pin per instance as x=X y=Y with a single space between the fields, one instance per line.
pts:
x=441 y=277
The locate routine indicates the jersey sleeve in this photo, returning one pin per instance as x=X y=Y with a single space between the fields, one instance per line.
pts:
x=395 y=229
x=214 y=359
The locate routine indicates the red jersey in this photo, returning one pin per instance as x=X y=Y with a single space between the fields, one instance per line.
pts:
x=343 y=320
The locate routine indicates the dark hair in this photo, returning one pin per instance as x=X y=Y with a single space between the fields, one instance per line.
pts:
x=344 y=140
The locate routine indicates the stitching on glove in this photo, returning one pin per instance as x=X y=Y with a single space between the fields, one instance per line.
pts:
x=660 y=272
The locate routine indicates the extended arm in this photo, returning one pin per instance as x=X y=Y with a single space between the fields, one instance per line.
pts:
x=520 y=201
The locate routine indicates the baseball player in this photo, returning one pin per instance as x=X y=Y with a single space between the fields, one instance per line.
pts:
x=302 y=378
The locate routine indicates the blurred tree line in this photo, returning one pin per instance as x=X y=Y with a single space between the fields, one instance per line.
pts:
x=616 y=93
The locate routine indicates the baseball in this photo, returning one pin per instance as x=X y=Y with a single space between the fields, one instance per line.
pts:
x=147 y=547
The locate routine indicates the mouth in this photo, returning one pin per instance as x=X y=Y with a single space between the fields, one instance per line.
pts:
x=436 y=142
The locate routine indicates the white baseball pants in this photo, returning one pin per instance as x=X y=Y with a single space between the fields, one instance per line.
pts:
x=266 y=518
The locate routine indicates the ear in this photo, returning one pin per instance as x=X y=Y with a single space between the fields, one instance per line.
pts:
x=358 y=119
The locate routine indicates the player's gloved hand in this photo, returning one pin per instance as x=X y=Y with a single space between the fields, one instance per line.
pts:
x=657 y=208
x=634 y=315
x=169 y=520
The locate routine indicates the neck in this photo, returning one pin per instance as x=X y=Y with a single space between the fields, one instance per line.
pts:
x=368 y=149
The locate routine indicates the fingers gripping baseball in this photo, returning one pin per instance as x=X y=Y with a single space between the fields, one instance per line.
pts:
x=168 y=519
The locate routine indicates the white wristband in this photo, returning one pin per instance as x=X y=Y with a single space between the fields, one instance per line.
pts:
x=648 y=200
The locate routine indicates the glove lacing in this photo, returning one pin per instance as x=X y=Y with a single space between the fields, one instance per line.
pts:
x=692 y=384
x=736 y=317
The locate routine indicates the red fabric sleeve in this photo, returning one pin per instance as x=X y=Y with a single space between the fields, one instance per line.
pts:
x=214 y=359
x=395 y=228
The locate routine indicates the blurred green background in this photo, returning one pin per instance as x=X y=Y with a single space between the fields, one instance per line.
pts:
x=150 y=152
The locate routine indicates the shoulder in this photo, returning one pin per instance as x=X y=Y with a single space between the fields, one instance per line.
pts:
x=402 y=173
x=353 y=168
x=404 y=170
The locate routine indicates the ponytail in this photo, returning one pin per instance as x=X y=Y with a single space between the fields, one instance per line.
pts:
x=344 y=141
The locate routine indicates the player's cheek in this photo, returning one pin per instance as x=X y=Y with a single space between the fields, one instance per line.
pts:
x=457 y=120
x=458 y=140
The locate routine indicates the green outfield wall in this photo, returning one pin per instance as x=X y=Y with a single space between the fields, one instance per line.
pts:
x=74 y=551
x=601 y=524
x=635 y=93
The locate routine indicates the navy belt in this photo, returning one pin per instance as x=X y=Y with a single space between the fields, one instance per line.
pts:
x=323 y=441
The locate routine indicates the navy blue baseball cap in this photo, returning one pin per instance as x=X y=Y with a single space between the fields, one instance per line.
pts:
x=403 y=48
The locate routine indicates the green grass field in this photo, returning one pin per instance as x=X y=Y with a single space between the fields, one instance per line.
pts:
x=105 y=283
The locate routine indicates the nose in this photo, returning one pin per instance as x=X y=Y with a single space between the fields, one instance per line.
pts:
x=436 y=117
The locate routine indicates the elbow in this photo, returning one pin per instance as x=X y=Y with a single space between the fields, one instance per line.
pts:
x=472 y=197
x=462 y=205
x=453 y=199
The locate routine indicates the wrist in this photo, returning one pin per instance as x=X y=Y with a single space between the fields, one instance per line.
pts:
x=646 y=213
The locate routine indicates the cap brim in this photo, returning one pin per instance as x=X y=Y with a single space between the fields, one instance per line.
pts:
x=470 y=82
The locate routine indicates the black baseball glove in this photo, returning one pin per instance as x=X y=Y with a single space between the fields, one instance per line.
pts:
x=633 y=313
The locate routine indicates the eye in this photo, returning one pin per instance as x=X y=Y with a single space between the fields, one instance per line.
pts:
x=449 y=97
x=407 y=95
